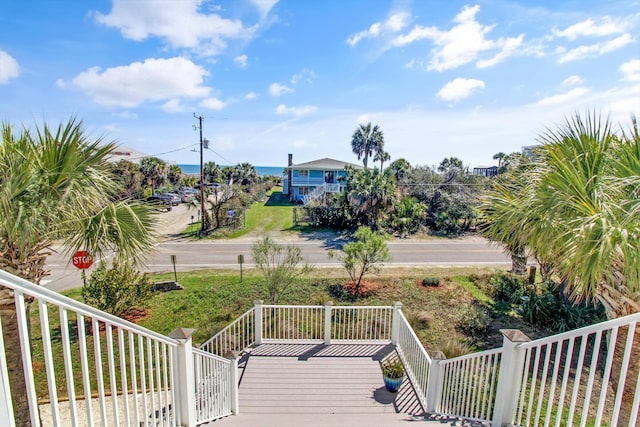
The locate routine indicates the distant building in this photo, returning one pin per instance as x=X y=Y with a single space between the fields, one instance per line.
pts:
x=311 y=180
x=485 y=170
x=125 y=153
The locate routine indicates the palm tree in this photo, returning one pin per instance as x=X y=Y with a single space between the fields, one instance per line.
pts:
x=399 y=168
x=56 y=184
x=154 y=171
x=212 y=172
x=381 y=156
x=366 y=141
x=499 y=157
x=580 y=213
x=369 y=193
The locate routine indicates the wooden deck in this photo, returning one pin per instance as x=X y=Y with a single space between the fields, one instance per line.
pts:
x=318 y=381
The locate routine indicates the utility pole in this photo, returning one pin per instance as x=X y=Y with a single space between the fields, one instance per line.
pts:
x=203 y=216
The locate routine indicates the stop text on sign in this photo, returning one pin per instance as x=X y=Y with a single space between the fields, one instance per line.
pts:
x=82 y=260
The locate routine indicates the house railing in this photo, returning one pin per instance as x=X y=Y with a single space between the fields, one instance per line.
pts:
x=87 y=367
x=303 y=323
x=216 y=385
x=468 y=385
x=414 y=357
x=590 y=375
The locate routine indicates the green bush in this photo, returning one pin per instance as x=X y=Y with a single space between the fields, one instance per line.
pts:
x=117 y=290
x=431 y=281
x=506 y=287
x=473 y=320
x=545 y=306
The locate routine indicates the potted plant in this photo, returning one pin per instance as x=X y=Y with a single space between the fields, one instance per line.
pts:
x=393 y=374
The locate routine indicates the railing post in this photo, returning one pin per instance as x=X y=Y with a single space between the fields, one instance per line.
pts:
x=184 y=375
x=434 y=384
x=6 y=405
x=235 y=398
x=257 y=321
x=327 y=322
x=511 y=366
x=395 y=322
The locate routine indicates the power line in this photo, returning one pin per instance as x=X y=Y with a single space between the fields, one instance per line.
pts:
x=221 y=156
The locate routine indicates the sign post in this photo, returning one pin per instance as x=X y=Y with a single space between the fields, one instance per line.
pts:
x=240 y=261
x=82 y=260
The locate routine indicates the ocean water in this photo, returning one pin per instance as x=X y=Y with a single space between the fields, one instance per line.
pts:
x=260 y=170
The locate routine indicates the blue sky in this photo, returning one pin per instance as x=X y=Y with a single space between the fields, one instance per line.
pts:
x=440 y=77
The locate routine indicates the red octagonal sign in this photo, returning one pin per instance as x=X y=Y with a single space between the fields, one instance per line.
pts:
x=82 y=260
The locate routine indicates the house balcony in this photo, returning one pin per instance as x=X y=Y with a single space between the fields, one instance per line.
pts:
x=303 y=365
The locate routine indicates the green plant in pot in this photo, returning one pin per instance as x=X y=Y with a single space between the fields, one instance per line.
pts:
x=393 y=374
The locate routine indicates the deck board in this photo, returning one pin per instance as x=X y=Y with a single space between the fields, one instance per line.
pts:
x=319 y=379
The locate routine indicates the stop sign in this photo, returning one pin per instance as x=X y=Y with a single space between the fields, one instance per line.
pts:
x=82 y=259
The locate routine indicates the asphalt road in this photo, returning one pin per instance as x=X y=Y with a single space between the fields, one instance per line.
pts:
x=191 y=255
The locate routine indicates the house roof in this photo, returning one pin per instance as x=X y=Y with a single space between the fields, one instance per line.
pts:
x=122 y=152
x=326 y=163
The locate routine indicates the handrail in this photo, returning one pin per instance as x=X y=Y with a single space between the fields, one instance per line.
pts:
x=23 y=285
x=415 y=358
x=243 y=327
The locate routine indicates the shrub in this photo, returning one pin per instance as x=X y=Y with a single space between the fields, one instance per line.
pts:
x=506 y=287
x=431 y=281
x=473 y=320
x=545 y=306
x=363 y=256
x=418 y=319
x=117 y=290
x=453 y=348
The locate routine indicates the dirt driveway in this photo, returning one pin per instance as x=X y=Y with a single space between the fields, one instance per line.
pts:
x=172 y=223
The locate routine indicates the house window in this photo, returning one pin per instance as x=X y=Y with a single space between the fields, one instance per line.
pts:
x=303 y=173
x=303 y=191
x=328 y=177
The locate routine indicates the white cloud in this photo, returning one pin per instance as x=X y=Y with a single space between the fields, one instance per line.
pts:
x=251 y=95
x=305 y=75
x=277 y=89
x=573 y=81
x=458 y=89
x=631 y=70
x=241 y=60
x=151 y=80
x=594 y=50
x=563 y=98
x=264 y=6
x=213 y=104
x=180 y=23
x=9 y=68
x=463 y=43
x=393 y=24
x=590 y=28
x=295 y=111
x=173 y=106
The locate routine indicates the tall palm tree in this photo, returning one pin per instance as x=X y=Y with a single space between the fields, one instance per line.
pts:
x=57 y=185
x=381 y=156
x=499 y=157
x=366 y=141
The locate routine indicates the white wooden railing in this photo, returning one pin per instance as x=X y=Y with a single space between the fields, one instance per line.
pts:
x=469 y=385
x=236 y=337
x=98 y=369
x=586 y=375
x=415 y=359
x=216 y=386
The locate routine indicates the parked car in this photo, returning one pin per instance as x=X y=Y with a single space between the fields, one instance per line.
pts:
x=187 y=197
x=172 y=198
x=159 y=202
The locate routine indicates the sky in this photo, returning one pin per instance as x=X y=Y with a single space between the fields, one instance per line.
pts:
x=440 y=78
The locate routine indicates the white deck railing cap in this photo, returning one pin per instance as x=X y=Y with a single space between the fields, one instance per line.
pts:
x=181 y=333
x=515 y=335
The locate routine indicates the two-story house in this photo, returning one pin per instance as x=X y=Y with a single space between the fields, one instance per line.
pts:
x=311 y=180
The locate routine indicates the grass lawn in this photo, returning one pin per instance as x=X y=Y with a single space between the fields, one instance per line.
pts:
x=273 y=214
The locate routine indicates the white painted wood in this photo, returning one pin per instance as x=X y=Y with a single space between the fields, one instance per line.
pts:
x=6 y=406
x=68 y=367
x=48 y=362
x=23 y=331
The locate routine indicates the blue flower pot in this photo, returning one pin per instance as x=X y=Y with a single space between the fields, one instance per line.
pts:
x=393 y=384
